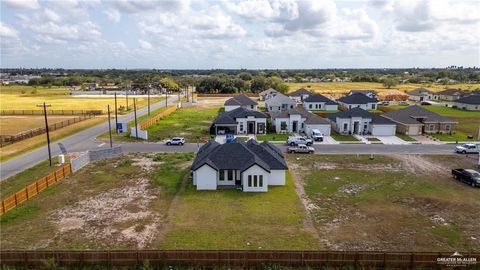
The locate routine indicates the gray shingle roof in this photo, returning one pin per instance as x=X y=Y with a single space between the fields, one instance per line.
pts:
x=408 y=115
x=230 y=117
x=380 y=120
x=451 y=92
x=419 y=92
x=300 y=92
x=354 y=112
x=319 y=98
x=357 y=98
x=268 y=91
x=471 y=99
x=278 y=100
x=238 y=155
x=241 y=100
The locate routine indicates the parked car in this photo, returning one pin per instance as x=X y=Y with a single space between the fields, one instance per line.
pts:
x=175 y=141
x=402 y=103
x=425 y=103
x=296 y=140
x=468 y=176
x=316 y=135
x=301 y=148
x=383 y=103
x=230 y=138
x=468 y=148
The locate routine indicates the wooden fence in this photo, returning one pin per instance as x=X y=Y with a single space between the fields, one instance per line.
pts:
x=154 y=119
x=51 y=112
x=24 y=194
x=237 y=258
x=8 y=139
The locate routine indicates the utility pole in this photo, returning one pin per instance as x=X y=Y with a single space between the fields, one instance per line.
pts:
x=126 y=96
x=109 y=126
x=46 y=128
x=166 y=99
x=116 y=115
x=148 y=94
x=135 y=114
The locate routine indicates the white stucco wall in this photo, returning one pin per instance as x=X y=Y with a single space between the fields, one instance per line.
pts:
x=231 y=107
x=277 y=178
x=350 y=124
x=277 y=122
x=469 y=107
x=331 y=107
x=244 y=121
x=255 y=170
x=368 y=106
x=205 y=178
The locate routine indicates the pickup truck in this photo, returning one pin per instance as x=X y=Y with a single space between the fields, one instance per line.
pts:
x=468 y=148
x=301 y=148
x=468 y=176
x=296 y=140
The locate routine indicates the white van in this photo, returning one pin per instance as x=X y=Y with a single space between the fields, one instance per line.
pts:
x=316 y=135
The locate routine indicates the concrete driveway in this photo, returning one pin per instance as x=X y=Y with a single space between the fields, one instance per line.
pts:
x=327 y=140
x=392 y=140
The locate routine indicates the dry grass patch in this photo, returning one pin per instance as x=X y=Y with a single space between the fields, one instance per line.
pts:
x=390 y=203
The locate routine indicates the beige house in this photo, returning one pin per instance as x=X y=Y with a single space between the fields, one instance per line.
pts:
x=415 y=120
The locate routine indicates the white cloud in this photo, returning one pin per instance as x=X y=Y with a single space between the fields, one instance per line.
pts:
x=141 y=6
x=7 y=31
x=113 y=15
x=52 y=15
x=145 y=44
x=22 y=4
x=51 y=32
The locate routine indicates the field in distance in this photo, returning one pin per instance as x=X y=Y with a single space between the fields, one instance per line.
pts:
x=20 y=97
x=344 y=87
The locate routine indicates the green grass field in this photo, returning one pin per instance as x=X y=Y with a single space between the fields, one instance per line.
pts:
x=343 y=138
x=193 y=123
x=404 y=203
x=231 y=219
x=273 y=137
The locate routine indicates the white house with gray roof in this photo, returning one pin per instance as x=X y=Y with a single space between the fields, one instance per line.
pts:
x=279 y=103
x=240 y=101
x=358 y=100
x=317 y=102
x=299 y=120
x=250 y=166
x=469 y=103
x=361 y=122
x=240 y=121
x=300 y=95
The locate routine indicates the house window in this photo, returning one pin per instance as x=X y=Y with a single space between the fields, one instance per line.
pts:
x=221 y=176
x=309 y=106
x=255 y=181
x=241 y=126
x=284 y=106
x=373 y=106
x=249 y=180
x=432 y=127
x=365 y=127
x=251 y=107
x=283 y=125
x=447 y=127
x=230 y=175
x=316 y=106
x=349 y=106
x=345 y=127
x=291 y=106
x=260 y=180
x=270 y=108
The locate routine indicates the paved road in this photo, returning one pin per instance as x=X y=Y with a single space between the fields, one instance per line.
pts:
x=83 y=140
x=320 y=149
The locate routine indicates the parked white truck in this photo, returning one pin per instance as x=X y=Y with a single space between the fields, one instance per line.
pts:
x=316 y=135
x=468 y=148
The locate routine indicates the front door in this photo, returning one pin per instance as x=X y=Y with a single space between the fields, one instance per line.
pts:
x=295 y=126
x=355 y=127
x=251 y=128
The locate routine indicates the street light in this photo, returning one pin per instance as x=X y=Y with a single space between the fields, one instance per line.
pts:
x=46 y=128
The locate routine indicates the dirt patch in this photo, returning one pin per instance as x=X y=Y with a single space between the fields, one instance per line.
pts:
x=146 y=163
x=416 y=164
x=101 y=217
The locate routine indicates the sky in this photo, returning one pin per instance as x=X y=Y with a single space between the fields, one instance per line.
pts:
x=261 y=34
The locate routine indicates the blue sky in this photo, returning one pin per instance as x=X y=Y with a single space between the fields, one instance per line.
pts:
x=193 y=34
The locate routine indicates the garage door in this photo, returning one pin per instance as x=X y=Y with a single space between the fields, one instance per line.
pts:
x=383 y=130
x=325 y=129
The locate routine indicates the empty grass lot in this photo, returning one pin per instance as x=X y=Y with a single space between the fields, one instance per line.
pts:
x=9 y=125
x=193 y=123
x=231 y=219
x=343 y=138
x=273 y=137
x=27 y=97
x=400 y=202
x=111 y=204
x=345 y=87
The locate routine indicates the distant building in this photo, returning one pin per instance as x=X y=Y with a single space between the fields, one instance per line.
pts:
x=358 y=100
x=470 y=103
x=451 y=94
x=240 y=101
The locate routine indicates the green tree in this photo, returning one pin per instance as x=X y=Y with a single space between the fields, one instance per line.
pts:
x=389 y=82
